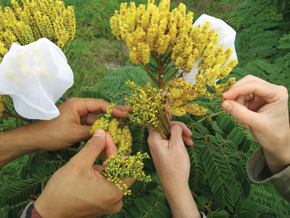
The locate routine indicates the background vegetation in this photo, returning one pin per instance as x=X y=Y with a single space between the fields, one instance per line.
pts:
x=263 y=43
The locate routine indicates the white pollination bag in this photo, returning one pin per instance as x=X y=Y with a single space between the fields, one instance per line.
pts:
x=35 y=76
x=227 y=36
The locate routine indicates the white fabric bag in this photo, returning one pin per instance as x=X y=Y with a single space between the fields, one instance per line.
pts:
x=35 y=76
x=227 y=39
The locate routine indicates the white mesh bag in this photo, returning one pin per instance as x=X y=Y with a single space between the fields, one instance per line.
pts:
x=35 y=76
x=227 y=39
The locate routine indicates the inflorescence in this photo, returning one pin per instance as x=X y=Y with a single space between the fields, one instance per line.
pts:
x=148 y=107
x=157 y=31
x=123 y=164
x=37 y=19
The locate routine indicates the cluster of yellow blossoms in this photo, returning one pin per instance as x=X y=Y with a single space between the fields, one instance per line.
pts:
x=121 y=165
x=156 y=30
x=37 y=19
x=128 y=167
x=148 y=107
x=3 y=101
x=181 y=92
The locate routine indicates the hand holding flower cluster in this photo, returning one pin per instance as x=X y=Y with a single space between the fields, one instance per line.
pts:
x=121 y=165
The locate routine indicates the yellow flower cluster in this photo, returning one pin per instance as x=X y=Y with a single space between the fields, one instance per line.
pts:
x=147 y=107
x=221 y=88
x=121 y=137
x=158 y=31
x=3 y=101
x=181 y=92
x=102 y=123
x=36 y=19
x=126 y=167
x=122 y=165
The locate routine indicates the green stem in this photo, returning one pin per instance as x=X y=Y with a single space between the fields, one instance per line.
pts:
x=213 y=115
x=60 y=160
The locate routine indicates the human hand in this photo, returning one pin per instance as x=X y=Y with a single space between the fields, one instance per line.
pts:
x=78 y=189
x=266 y=116
x=68 y=128
x=173 y=166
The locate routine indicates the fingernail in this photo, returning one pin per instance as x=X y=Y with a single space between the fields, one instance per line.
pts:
x=227 y=106
x=189 y=131
x=99 y=132
x=225 y=94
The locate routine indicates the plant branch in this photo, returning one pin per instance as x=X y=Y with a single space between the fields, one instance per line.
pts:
x=166 y=81
x=207 y=116
x=168 y=69
x=151 y=65
x=166 y=59
x=60 y=160
x=150 y=75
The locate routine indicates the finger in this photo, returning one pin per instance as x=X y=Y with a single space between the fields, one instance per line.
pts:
x=185 y=131
x=256 y=103
x=241 y=99
x=81 y=133
x=98 y=168
x=244 y=125
x=164 y=93
x=84 y=106
x=176 y=135
x=122 y=108
x=241 y=113
x=187 y=141
x=91 y=119
x=128 y=182
x=111 y=148
x=247 y=79
x=92 y=150
x=266 y=91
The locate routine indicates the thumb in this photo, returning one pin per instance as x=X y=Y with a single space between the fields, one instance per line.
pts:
x=241 y=113
x=91 y=151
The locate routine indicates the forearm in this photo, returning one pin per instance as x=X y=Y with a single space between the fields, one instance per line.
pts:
x=181 y=203
x=17 y=142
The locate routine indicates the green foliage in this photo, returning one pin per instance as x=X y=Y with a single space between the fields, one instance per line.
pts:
x=262 y=41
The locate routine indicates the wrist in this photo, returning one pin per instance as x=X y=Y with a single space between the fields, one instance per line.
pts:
x=15 y=143
x=279 y=159
x=181 y=202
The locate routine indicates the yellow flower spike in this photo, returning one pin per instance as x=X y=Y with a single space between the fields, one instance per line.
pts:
x=17 y=9
x=227 y=69
x=115 y=25
x=71 y=22
x=133 y=55
x=125 y=167
x=221 y=88
x=145 y=21
x=189 y=17
x=113 y=129
x=205 y=28
x=152 y=34
x=228 y=53
x=123 y=13
x=3 y=101
x=139 y=14
x=144 y=53
x=182 y=9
